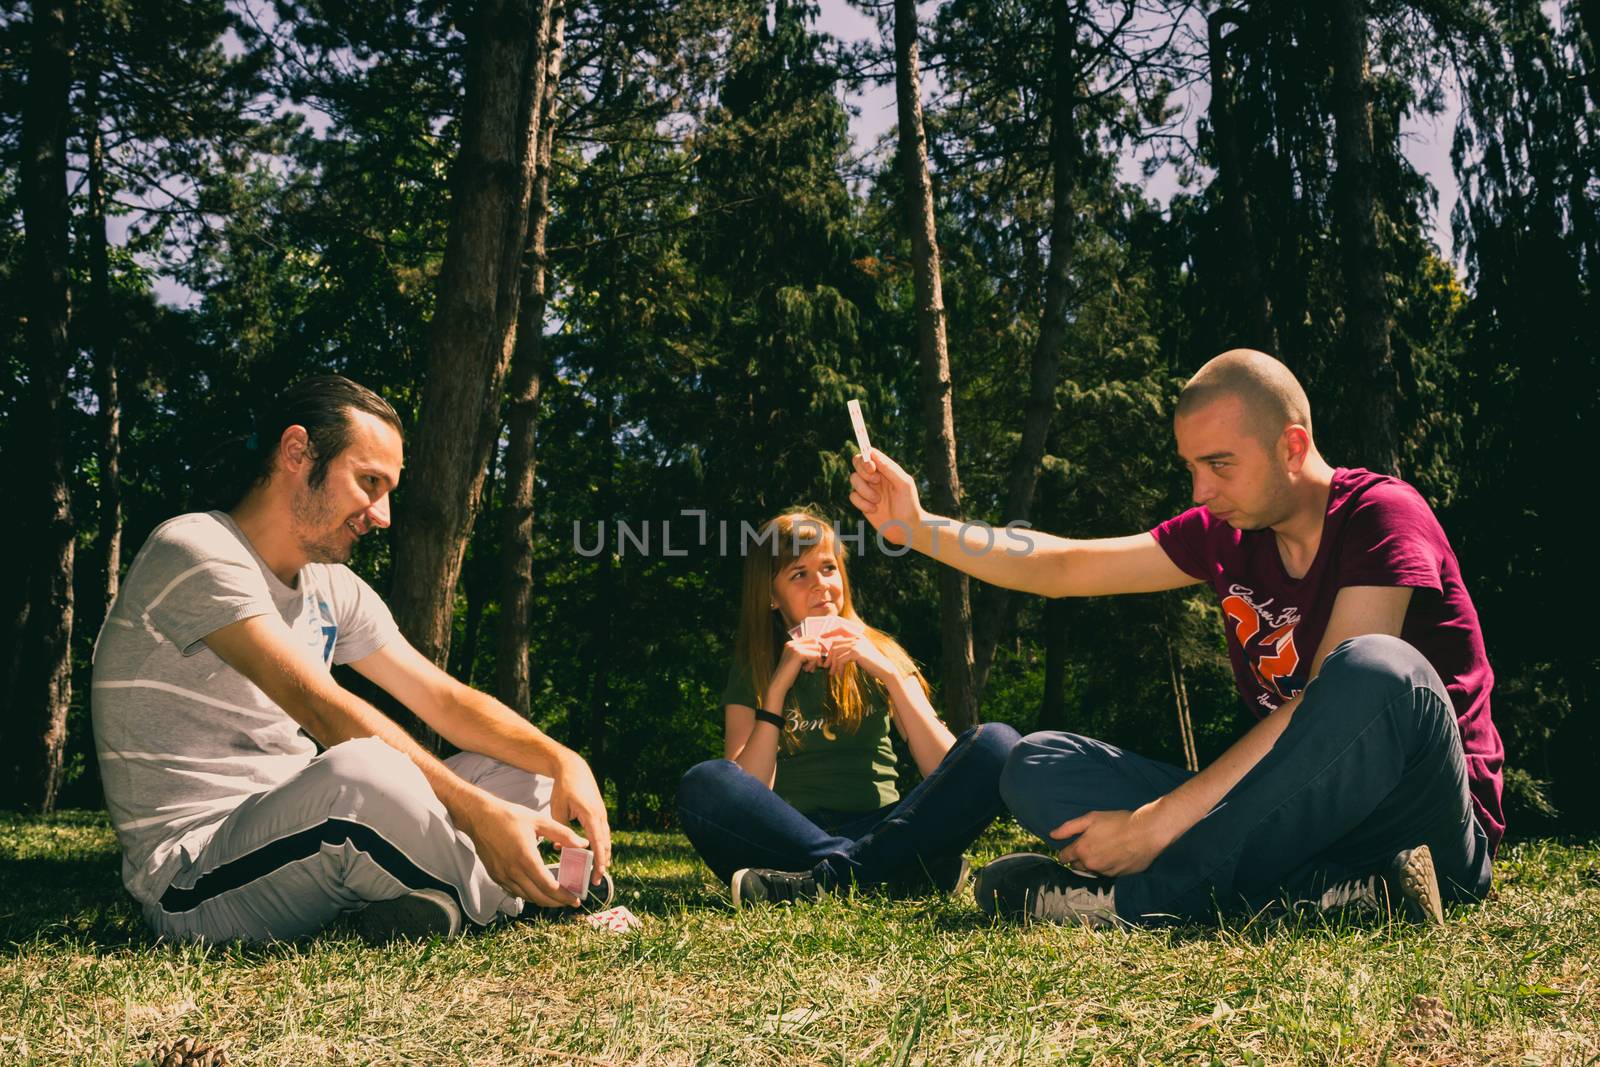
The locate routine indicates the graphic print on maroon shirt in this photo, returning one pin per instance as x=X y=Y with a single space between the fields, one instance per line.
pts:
x=1378 y=531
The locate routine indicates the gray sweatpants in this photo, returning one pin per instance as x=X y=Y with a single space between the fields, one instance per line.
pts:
x=360 y=823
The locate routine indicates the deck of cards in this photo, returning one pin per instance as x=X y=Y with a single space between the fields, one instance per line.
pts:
x=577 y=867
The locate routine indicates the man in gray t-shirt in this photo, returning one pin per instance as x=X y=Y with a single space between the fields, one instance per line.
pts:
x=212 y=693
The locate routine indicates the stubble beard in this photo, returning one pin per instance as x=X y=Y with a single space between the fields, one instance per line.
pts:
x=323 y=536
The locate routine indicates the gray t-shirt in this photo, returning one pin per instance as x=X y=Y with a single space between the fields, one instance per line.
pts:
x=182 y=737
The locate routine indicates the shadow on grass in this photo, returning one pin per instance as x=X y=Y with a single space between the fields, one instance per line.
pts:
x=78 y=900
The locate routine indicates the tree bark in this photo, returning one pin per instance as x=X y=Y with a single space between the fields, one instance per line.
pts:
x=477 y=584
x=1053 y=704
x=600 y=644
x=1372 y=399
x=39 y=666
x=955 y=606
x=103 y=342
x=995 y=605
x=1250 y=290
x=1589 y=24
x=471 y=335
x=513 y=682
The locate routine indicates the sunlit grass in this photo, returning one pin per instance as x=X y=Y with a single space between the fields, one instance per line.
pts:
x=841 y=981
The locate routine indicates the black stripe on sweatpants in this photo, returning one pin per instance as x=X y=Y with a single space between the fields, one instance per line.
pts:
x=303 y=845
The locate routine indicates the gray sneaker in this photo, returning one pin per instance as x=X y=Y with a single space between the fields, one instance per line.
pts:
x=753 y=885
x=1034 y=887
x=417 y=915
x=1408 y=885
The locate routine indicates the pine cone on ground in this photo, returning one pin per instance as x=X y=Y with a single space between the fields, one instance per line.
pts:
x=1428 y=1020
x=187 y=1052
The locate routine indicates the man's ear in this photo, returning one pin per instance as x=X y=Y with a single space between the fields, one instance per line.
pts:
x=1294 y=446
x=294 y=449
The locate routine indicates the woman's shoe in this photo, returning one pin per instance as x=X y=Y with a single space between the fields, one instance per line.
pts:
x=753 y=885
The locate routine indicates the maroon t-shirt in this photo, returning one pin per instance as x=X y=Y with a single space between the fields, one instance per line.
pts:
x=1378 y=531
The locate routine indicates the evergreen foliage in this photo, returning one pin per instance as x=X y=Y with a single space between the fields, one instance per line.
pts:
x=727 y=268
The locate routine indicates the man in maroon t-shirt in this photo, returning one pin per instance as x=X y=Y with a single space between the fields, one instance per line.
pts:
x=1373 y=774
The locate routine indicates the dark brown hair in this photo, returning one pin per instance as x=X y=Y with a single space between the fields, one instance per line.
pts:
x=322 y=405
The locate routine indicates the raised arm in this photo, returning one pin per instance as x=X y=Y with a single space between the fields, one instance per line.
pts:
x=1028 y=560
x=752 y=743
x=263 y=650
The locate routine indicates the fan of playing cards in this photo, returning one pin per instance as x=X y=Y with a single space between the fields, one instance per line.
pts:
x=821 y=625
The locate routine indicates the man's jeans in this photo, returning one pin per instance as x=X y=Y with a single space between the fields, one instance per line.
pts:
x=1370 y=764
x=735 y=821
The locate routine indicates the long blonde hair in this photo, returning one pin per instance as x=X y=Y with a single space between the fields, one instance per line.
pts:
x=761 y=627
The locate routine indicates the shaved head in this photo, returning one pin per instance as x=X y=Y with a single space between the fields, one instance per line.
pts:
x=1270 y=393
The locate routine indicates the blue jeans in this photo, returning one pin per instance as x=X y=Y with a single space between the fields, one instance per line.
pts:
x=734 y=821
x=1371 y=763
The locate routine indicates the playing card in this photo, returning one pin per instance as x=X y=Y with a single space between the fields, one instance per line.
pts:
x=617 y=920
x=860 y=424
x=817 y=625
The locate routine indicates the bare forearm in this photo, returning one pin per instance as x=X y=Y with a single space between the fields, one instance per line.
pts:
x=928 y=738
x=758 y=756
x=757 y=752
x=338 y=715
x=482 y=724
x=1190 y=802
x=1012 y=558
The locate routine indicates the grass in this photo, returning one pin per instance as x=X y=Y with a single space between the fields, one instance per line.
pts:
x=1514 y=980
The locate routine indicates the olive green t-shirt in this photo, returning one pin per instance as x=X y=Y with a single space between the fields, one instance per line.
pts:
x=820 y=766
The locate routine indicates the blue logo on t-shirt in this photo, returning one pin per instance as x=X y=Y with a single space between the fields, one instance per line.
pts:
x=330 y=630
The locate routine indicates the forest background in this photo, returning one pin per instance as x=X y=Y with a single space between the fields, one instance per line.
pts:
x=618 y=262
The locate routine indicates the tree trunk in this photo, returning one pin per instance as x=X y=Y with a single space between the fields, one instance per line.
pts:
x=103 y=341
x=600 y=644
x=955 y=607
x=1250 y=291
x=470 y=338
x=1371 y=405
x=1053 y=705
x=1589 y=24
x=39 y=669
x=477 y=582
x=1289 y=279
x=995 y=605
x=1180 y=699
x=513 y=683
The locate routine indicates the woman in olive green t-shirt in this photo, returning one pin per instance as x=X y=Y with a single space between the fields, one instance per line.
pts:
x=805 y=798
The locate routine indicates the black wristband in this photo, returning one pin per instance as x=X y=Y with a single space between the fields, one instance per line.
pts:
x=771 y=717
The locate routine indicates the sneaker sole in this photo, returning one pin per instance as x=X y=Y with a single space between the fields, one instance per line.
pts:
x=988 y=903
x=963 y=876
x=1419 y=886
x=420 y=914
x=738 y=879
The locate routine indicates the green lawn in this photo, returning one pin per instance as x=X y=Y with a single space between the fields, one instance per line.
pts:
x=869 y=981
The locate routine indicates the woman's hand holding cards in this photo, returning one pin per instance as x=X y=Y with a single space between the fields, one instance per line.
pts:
x=848 y=646
x=802 y=653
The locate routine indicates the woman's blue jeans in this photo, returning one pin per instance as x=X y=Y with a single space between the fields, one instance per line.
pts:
x=734 y=821
x=1370 y=764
